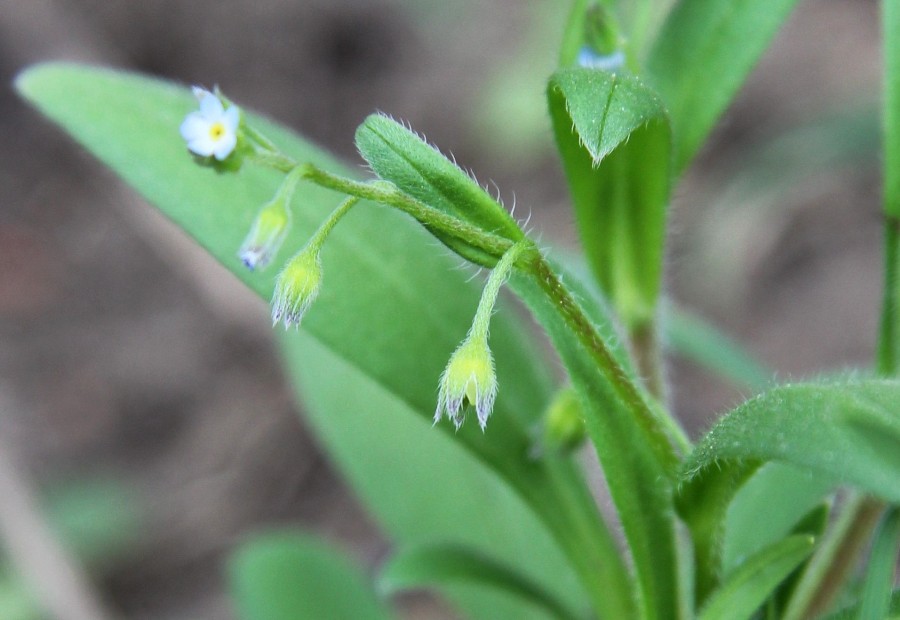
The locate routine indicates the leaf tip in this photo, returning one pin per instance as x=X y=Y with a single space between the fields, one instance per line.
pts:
x=25 y=80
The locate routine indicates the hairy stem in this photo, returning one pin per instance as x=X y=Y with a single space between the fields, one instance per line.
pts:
x=652 y=419
x=386 y=193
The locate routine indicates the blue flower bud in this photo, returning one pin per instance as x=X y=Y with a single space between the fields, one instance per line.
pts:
x=267 y=234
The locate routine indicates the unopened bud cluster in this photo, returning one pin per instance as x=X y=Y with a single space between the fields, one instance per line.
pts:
x=217 y=135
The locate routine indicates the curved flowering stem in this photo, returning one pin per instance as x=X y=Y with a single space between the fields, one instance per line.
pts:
x=469 y=376
x=385 y=193
x=298 y=283
x=498 y=277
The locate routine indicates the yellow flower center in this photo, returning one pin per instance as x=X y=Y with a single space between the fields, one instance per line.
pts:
x=216 y=131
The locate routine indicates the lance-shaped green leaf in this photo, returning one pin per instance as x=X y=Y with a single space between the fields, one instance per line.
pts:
x=398 y=155
x=434 y=565
x=846 y=430
x=391 y=310
x=745 y=590
x=702 y=56
x=633 y=449
x=285 y=576
x=613 y=136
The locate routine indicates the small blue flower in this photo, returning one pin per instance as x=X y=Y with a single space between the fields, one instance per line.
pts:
x=211 y=130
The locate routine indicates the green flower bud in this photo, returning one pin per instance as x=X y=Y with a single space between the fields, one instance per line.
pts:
x=563 y=425
x=469 y=379
x=267 y=234
x=297 y=287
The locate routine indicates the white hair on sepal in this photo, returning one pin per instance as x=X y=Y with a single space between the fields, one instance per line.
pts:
x=523 y=224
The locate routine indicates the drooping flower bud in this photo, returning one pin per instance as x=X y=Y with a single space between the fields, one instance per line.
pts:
x=267 y=234
x=469 y=379
x=270 y=226
x=298 y=283
x=297 y=287
x=563 y=427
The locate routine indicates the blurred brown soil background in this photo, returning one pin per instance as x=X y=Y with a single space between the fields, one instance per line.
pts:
x=126 y=353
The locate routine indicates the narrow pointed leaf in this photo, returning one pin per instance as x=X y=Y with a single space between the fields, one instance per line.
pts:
x=627 y=446
x=428 y=566
x=745 y=590
x=702 y=56
x=843 y=433
x=613 y=135
x=285 y=576
x=847 y=430
x=392 y=308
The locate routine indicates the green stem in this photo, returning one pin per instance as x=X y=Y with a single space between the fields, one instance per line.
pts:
x=661 y=428
x=318 y=239
x=889 y=330
x=499 y=274
x=386 y=193
x=648 y=357
x=567 y=509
